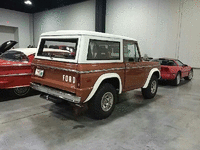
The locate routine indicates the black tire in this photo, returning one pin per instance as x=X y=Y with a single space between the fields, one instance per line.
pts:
x=177 y=80
x=99 y=107
x=190 y=75
x=21 y=91
x=151 y=89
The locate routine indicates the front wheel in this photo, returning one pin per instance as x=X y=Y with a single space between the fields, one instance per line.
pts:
x=20 y=91
x=151 y=89
x=177 y=80
x=190 y=75
x=103 y=102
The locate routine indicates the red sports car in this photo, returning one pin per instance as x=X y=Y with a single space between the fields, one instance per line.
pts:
x=174 y=69
x=15 y=68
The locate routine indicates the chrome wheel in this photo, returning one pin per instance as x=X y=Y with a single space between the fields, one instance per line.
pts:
x=21 y=91
x=107 y=101
x=178 y=79
x=153 y=87
x=190 y=75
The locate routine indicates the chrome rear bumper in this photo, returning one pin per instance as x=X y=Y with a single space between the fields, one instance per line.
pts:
x=56 y=93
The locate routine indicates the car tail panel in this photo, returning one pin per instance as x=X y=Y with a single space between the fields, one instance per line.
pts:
x=60 y=75
x=165 y=69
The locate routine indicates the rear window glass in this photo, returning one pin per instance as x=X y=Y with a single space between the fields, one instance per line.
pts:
x=58 y=48
x=103 y=50
x=165 y=62
x=13 y=55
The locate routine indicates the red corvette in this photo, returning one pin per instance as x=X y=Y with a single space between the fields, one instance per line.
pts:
x=174 y=69
x=15 y=68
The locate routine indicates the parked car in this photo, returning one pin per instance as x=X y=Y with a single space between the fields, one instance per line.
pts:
x=6 y=46
x=15 y=68
x=174 y=70
x=103 y=66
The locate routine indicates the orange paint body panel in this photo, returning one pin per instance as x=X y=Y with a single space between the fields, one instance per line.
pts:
x=88 y=74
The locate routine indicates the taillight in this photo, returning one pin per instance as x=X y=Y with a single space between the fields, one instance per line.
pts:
x=165 y=69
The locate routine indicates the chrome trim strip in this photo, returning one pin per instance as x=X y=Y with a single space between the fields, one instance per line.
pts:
x=21 y=65
x=63 y=95
x=81 y=72
x=22 y=74
x=90 y=71
x=64 y=69
x=94 y=71
x=18 y=86
x=16 y=65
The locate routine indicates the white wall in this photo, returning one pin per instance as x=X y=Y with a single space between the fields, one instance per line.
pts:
x=161 y=26
x=79 y=16
x=19 y=20
x=7 y=33
x=190 y=33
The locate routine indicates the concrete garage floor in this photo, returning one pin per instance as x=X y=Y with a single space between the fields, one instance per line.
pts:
x=170 y=121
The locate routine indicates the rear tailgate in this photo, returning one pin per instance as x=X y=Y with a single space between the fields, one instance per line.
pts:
x=60 y=75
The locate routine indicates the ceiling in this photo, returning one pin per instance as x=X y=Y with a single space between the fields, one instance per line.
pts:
x=37 y=5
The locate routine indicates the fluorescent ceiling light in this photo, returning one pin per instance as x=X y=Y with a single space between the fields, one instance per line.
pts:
x=28 y=2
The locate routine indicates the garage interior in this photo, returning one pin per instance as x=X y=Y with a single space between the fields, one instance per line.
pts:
x=163 y=29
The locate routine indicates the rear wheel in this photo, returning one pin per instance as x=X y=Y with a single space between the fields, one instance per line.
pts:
x=21 y=91
x=190 y=75
x=103 y=102
x=177 y=80
x=151 y=89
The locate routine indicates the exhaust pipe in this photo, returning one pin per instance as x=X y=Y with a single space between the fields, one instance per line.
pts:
x=51 y=98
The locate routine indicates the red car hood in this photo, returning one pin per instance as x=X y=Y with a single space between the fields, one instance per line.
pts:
x=7 y=45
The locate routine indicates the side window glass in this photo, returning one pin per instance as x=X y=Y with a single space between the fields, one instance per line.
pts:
x=171 y=63
x=131 y=52
x=179 y=62
x=21 y=57
x=103 y=50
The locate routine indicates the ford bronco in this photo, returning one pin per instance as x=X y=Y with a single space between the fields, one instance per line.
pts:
x=91 y=68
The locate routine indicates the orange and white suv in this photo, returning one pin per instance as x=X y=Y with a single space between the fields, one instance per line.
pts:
x=84 y=67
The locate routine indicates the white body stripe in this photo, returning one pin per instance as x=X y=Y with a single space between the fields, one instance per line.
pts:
x=149 y=76
x=100 y=80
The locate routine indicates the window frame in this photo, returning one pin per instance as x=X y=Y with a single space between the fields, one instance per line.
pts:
x=85 y=45
x=60 y=59
x=102 y=41
x=138 y=50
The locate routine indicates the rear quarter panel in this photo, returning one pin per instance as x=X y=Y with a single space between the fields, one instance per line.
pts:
x=149 y=71
x=15 y=75
x=91 y=73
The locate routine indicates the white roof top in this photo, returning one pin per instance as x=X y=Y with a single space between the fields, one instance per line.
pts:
x=84 y=32
x=26 y=51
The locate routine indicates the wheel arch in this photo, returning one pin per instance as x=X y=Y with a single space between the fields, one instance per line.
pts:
x=179 y=71
x=106 y=78
x=154 y=71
